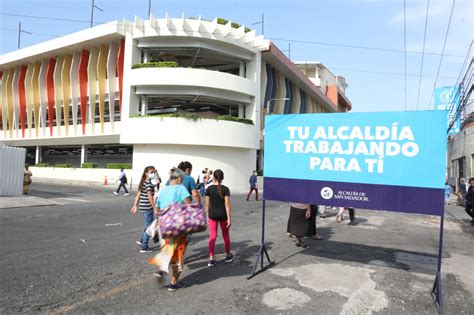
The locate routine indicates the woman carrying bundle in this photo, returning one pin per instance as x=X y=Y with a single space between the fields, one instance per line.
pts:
x=173 y=193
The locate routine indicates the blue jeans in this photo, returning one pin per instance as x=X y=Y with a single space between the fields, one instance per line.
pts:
x=148 y=216
x=202 y=191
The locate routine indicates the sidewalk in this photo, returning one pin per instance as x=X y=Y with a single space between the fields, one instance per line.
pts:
x=7 y=202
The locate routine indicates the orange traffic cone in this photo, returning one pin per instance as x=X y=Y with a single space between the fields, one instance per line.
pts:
x=105 y=181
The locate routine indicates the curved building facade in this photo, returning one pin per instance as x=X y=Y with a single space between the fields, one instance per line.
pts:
x=107 y=94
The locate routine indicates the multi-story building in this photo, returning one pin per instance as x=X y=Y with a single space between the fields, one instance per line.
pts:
x=106 y=94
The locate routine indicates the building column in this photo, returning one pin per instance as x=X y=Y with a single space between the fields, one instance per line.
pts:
x=83 y=154
x=38 y=155
x=145 y=56
x=241 y=111
x=242 y=69
x=143 y=104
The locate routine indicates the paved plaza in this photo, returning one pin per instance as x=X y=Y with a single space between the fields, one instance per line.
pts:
x=70 y=248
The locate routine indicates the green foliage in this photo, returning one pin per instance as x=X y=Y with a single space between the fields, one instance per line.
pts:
x=63 y=165
x=236 y=119
x=196 y=117
x=185 y=115
x=222 y=21
x=89 y=165
x=42 y=165
x=156 y=64
x=232 y=24
x=126 y=166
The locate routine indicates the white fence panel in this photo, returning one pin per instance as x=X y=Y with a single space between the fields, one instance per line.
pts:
x=12 y=162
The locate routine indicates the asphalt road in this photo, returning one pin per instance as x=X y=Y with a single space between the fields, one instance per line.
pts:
x=80 y=256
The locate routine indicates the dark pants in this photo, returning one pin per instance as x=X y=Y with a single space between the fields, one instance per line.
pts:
x=351 y=214
x=122 y=184
x=250 y=192
x=470 y=211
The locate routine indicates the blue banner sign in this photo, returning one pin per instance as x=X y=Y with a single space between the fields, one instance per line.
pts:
x=447 y=99
x=385 y=161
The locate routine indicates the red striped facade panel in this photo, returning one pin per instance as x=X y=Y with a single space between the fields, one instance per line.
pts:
x=83 y=87
x=50 y=92
x=22 y=97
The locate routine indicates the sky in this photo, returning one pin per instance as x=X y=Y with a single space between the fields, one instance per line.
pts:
x=376 y=77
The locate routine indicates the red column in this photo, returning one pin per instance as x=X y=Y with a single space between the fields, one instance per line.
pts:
x=83 y=87
x=50 y=90
x=120 y=60
x=22 y=96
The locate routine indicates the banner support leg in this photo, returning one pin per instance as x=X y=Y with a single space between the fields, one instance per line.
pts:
x=262 y=251
x=437 y=292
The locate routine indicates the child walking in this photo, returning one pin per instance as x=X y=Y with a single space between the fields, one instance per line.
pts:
x=146 y=203
x=218 y=213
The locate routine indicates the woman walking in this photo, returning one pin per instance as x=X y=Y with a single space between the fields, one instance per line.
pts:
x=218 y=213
x=26 y=179
x=301 y=223
x=340 y=215
x=146 y=203
x=175 y=192
x=188 y=181
x=209 y=180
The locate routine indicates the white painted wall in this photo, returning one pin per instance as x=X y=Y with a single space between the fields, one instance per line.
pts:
x=461 y=145
x=192 y=77
x=12 y=162
x=237 y=164
x=203 y=132
x=96 y=175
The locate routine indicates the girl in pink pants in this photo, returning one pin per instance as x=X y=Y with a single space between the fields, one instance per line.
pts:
x=218 y=213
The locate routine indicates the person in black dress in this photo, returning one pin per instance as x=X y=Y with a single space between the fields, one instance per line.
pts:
x=302 y=223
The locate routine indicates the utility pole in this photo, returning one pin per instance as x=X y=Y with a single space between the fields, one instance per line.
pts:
x=261 y=22
x=288 y=50
x=149 y=9
x=19 y=34
x=92 y=11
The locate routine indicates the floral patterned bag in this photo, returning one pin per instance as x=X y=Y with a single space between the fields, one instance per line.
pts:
x=182 y=219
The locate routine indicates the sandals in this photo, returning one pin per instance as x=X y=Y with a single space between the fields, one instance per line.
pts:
x=300 y=243
x=316 y=237
x=322 y=215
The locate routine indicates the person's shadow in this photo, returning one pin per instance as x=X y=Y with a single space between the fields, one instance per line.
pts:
x=196 y=262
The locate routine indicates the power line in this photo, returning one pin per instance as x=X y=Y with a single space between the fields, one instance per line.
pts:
x=388 y=73
x=359 y=47
x=340 y=68
x=405 y=47
x=280 y=39
x=460 y=81
x=47 y=18
x=442 y=53
x=423 y=54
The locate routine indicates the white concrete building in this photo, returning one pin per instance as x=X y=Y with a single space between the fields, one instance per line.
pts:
x=105 y=94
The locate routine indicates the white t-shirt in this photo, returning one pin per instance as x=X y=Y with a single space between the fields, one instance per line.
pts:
x=210 y=182
x=201 y=178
